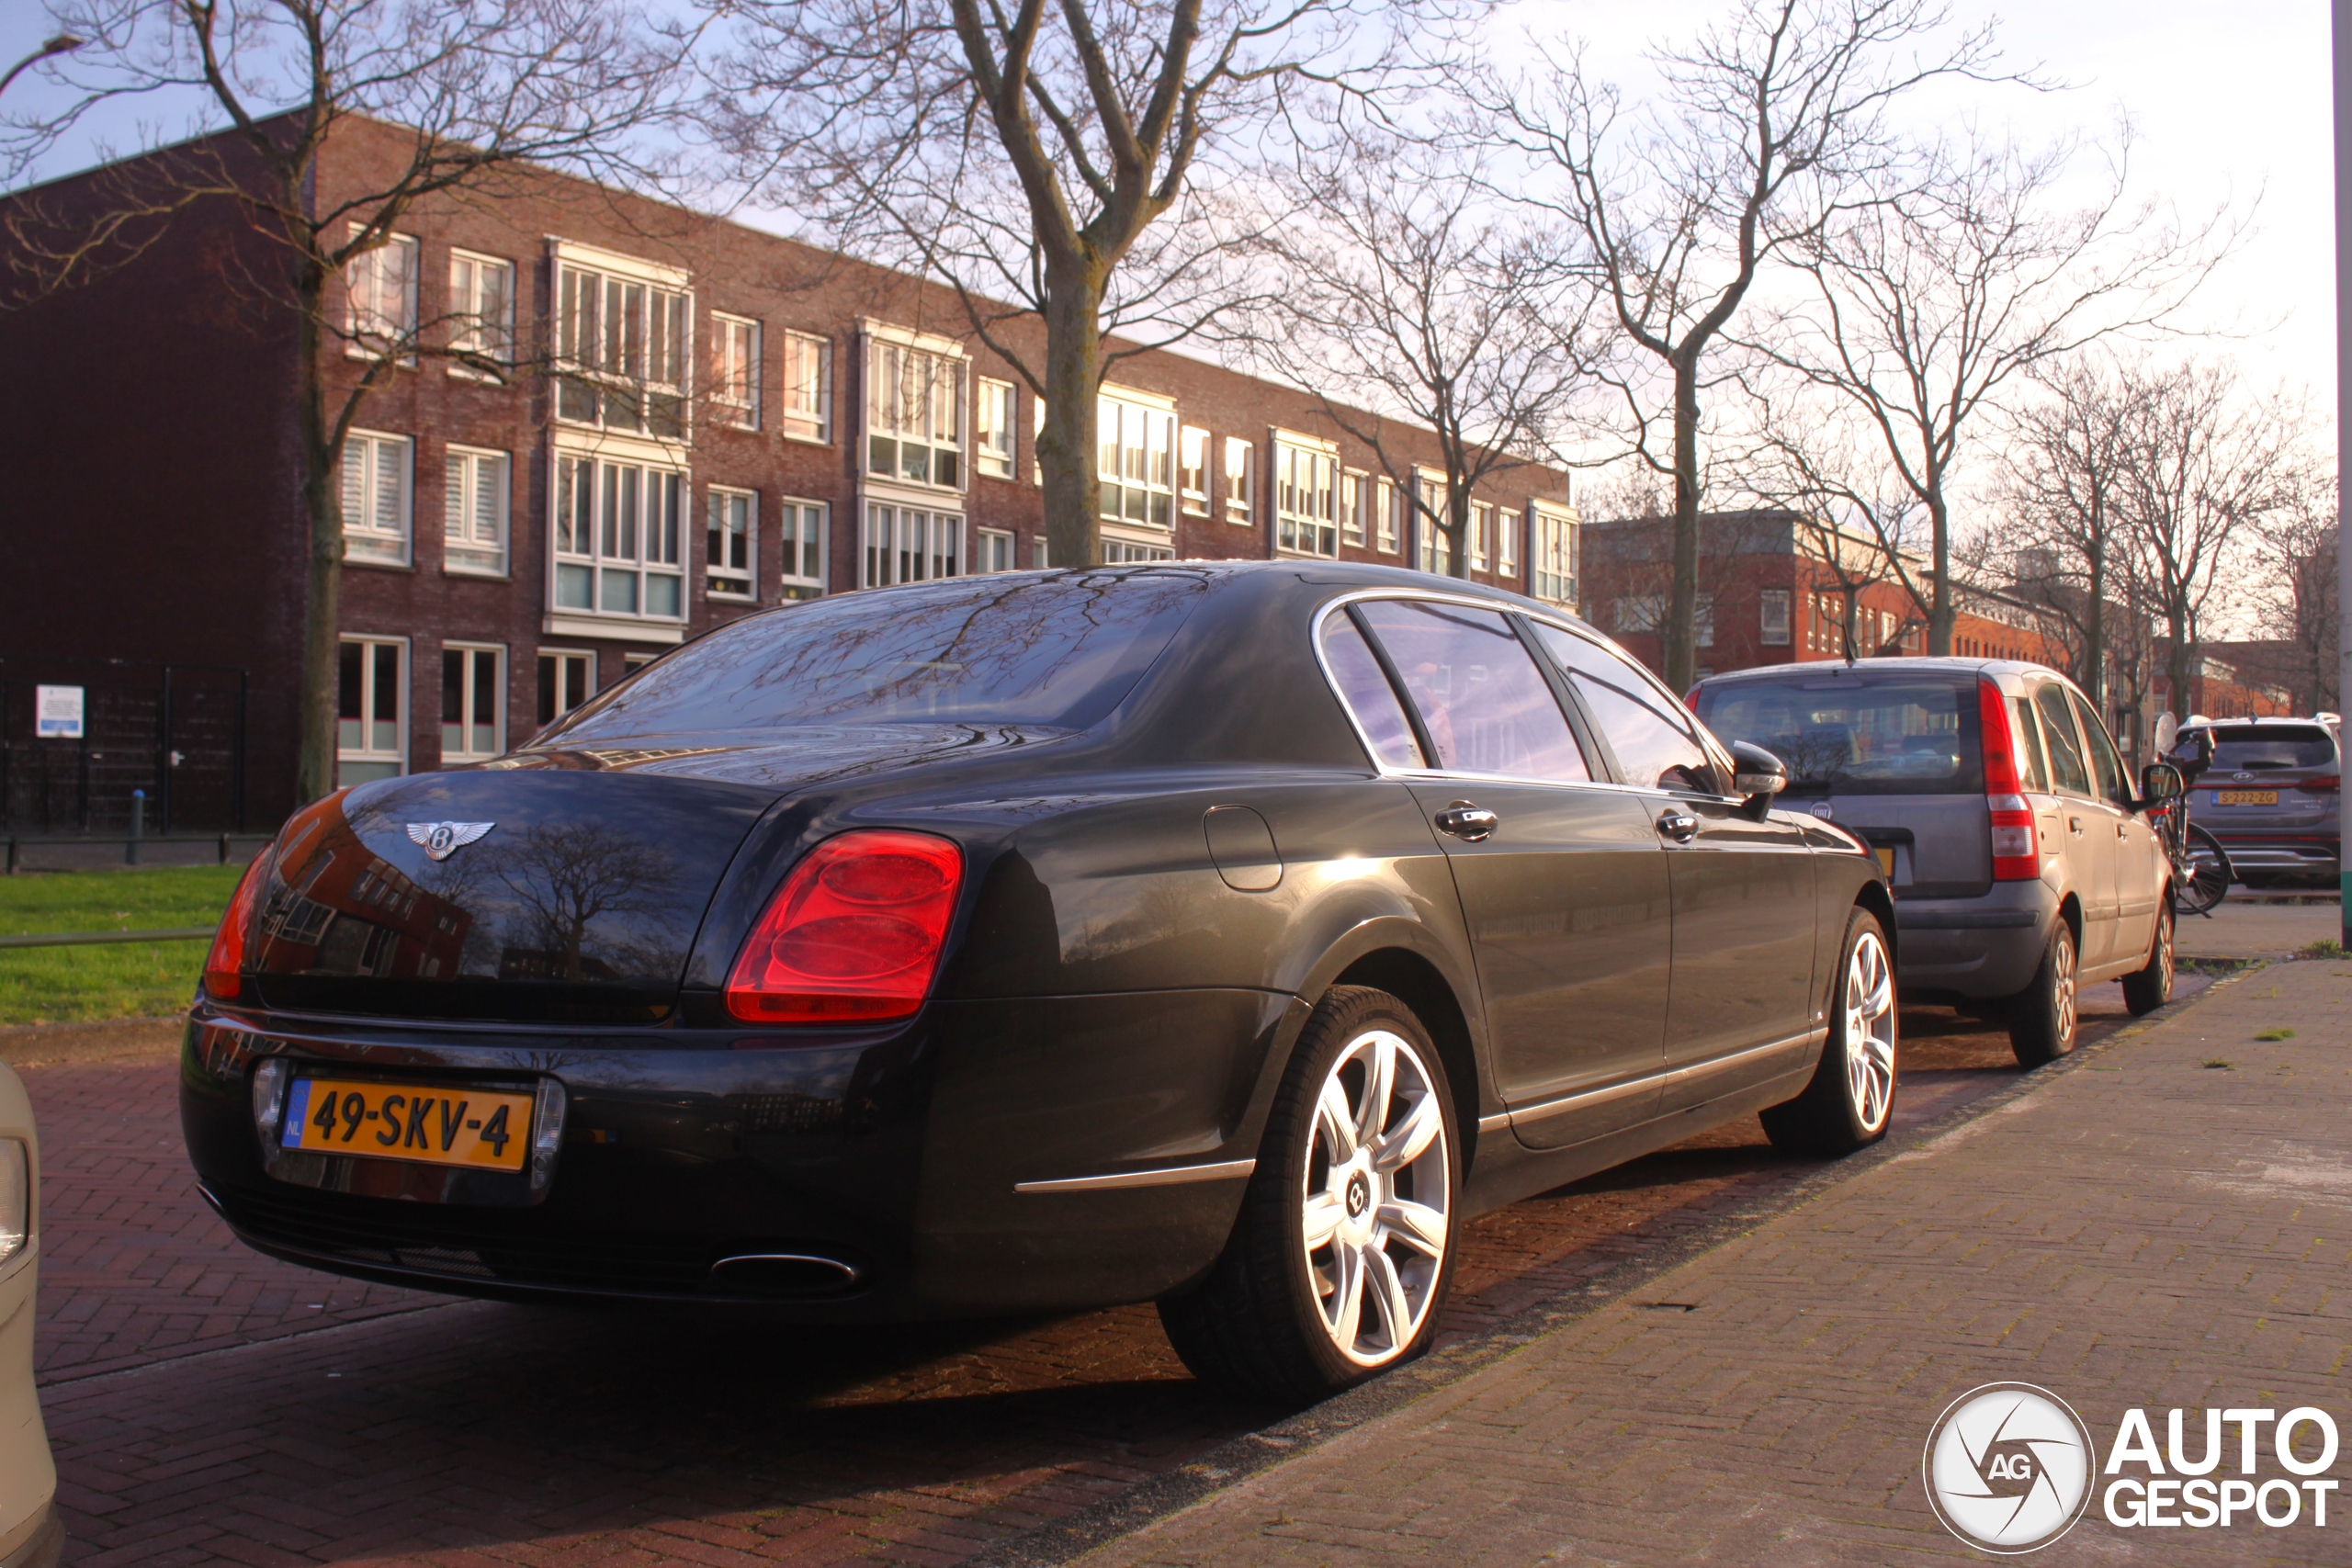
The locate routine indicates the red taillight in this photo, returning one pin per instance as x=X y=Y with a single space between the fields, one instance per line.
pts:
x=854 y=934
x=224 y=965
x=2017 y=853
x=2328 y=785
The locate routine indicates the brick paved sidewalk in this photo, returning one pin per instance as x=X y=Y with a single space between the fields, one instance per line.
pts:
x=2143 y=1226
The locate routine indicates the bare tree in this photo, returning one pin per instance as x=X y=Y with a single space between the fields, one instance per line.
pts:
x=1765 y=129
x=473 y=90
x=1854 y=519
x=1923 y=307
x=2298 y=601
x=1053 y=161
x=1399 y=282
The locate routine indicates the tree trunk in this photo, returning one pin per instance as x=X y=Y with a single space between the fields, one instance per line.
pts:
x=1682 y=596
x=1941 y=611
x=1073 y=489
x=2179 y=662
x=2092 y=677
x=1457 y=528
x=322 y=507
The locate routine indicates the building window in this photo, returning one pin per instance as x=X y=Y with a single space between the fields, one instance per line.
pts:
x=474 y=506
x=1192 y=470
x=993 y=429
x=381 y=286
x=473 y=705
x=616 y=529
x=992 y=551
x=1037 y=429
x=1307 y=482
x=371 y=723
x=376 y=498
x=1437 y=550
x=567 y=679
x=1555 y=555
x=732 y=544
x=1772 y=617
x=482 y=309
x=808 y=388
x=1240 y=478
x=621 y=347
x=1136 y=461
x=1355 y=498
x=906 y=544
x=801 y=546
x=1039 y=553
x=1507 y=545
x=1703 y=622
x=735 y=371
x=1640 y=612
x=1127 y=552
x=1482 y=529
x=914 y=415
x=1387 y=509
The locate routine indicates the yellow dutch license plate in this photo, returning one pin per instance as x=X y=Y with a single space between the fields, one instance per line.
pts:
x=2245 y=798
x=1886 y=861
x=479 y=1129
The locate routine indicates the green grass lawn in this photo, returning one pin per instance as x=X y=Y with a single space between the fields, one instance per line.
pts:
x=51 y=985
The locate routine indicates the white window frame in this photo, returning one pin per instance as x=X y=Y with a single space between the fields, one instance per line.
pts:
x=1241 y=502
x=993 y=403
x=369 y=754
x=798 y=519
x=1355 y=501
x=463 y=553
x=627 y=539
x=1387 y=530
x=563 y=658
x=1135 y=438
x=368 y=540
x=1482 y=528
x=900 y=544
x=1037 y=433
x=994 y=549
x=466 y=695
x=735 y=369
x=1506 y=532
x=1768 y=635
x=808 y=389
x=1192 y=470
x=1040 y=552
x=1305 y=486
x=1125 y=552
x=722 y=582
x=605 y=369
x=938 y=373
x=1553 y=553
x=1434 y=549
x=487 y=334
x=374 y=332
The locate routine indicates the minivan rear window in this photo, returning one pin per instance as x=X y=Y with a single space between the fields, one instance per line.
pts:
x=2272 y=745
x=1891 y=735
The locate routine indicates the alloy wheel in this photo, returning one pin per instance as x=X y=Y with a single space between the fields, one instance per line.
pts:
x=2062 y=987
x=1870 y=1032
x=1375 y=1198
x=2165 y=969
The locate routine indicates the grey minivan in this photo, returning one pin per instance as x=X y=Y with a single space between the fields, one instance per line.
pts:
x=2023 y=862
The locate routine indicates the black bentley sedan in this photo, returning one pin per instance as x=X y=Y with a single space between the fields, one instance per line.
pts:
x=1222 y=935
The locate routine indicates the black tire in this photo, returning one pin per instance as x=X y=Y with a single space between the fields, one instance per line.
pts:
x=2151 y=987
x=1256 y=1324
x=2208 y=882
x=1850 y=1101
x=2043 y=1017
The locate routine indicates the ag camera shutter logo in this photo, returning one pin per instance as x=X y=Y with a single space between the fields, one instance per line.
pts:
x=2008 y=1468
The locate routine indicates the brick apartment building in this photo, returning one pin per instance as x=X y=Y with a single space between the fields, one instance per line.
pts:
x=727 y=420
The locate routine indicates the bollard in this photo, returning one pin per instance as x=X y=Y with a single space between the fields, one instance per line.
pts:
x=12 y=854
x=138 y=825
x=224 y=849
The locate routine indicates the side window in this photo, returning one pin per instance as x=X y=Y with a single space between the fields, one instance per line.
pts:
x=1486 y=706
x=1365 y=689
x=1646 y=729
x=2068 y=774
x=2030 y=772
x=2108 y=765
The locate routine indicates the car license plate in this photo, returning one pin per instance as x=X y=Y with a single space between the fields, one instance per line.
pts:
x=2245 y=798
x=431 y=1124
x=1886 y=861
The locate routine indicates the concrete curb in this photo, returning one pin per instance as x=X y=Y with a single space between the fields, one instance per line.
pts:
x=1063 y=1540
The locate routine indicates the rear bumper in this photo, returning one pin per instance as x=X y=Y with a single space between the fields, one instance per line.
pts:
x=890 y=1157
x=1980 y=947
x=38 y=1542
x=2316 y=854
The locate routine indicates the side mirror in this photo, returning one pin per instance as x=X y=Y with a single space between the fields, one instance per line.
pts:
x=2159 y=783
x=1757 y=775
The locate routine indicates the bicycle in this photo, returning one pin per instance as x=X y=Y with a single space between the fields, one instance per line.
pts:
x=2200 y=867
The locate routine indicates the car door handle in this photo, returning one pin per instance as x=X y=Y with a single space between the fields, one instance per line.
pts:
x=2076 y=824
x=1464 y=820
x=1678 y=824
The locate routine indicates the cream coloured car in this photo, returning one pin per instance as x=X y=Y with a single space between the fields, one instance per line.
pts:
x=30 y=1533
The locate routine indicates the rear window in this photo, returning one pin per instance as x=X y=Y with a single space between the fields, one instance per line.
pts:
x=1054 y=652
x=1885 y=737
x=2281 y=746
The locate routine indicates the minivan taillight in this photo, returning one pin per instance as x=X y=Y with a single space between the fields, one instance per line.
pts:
x=2328 y=785
x=853 y=935
x=224 y=965
x=2017 y=852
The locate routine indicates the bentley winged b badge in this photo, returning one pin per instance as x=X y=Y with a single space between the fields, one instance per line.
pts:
x=441 y=838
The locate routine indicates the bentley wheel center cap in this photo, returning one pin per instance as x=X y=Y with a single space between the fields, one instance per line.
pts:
x=1359 y=1195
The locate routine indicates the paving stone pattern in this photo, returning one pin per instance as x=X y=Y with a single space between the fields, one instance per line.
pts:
x=2149 y=1228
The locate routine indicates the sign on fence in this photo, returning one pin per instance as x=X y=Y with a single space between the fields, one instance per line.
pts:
x=57 y=711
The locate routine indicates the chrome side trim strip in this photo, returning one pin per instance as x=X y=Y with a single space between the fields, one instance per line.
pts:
x=1229 y=1170
x=1495 y=1123
x=1521 y=1115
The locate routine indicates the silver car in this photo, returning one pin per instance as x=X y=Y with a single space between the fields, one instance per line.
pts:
x=30 y=1533
x=2022 y=860
x=2271 y=795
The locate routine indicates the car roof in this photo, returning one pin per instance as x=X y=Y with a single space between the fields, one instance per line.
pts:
x=1921 y=664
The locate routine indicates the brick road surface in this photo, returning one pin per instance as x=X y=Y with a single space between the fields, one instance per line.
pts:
x=2163 y=1222
x=209 y=1405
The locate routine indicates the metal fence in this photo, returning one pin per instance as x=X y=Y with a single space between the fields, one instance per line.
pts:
x=176 y=732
